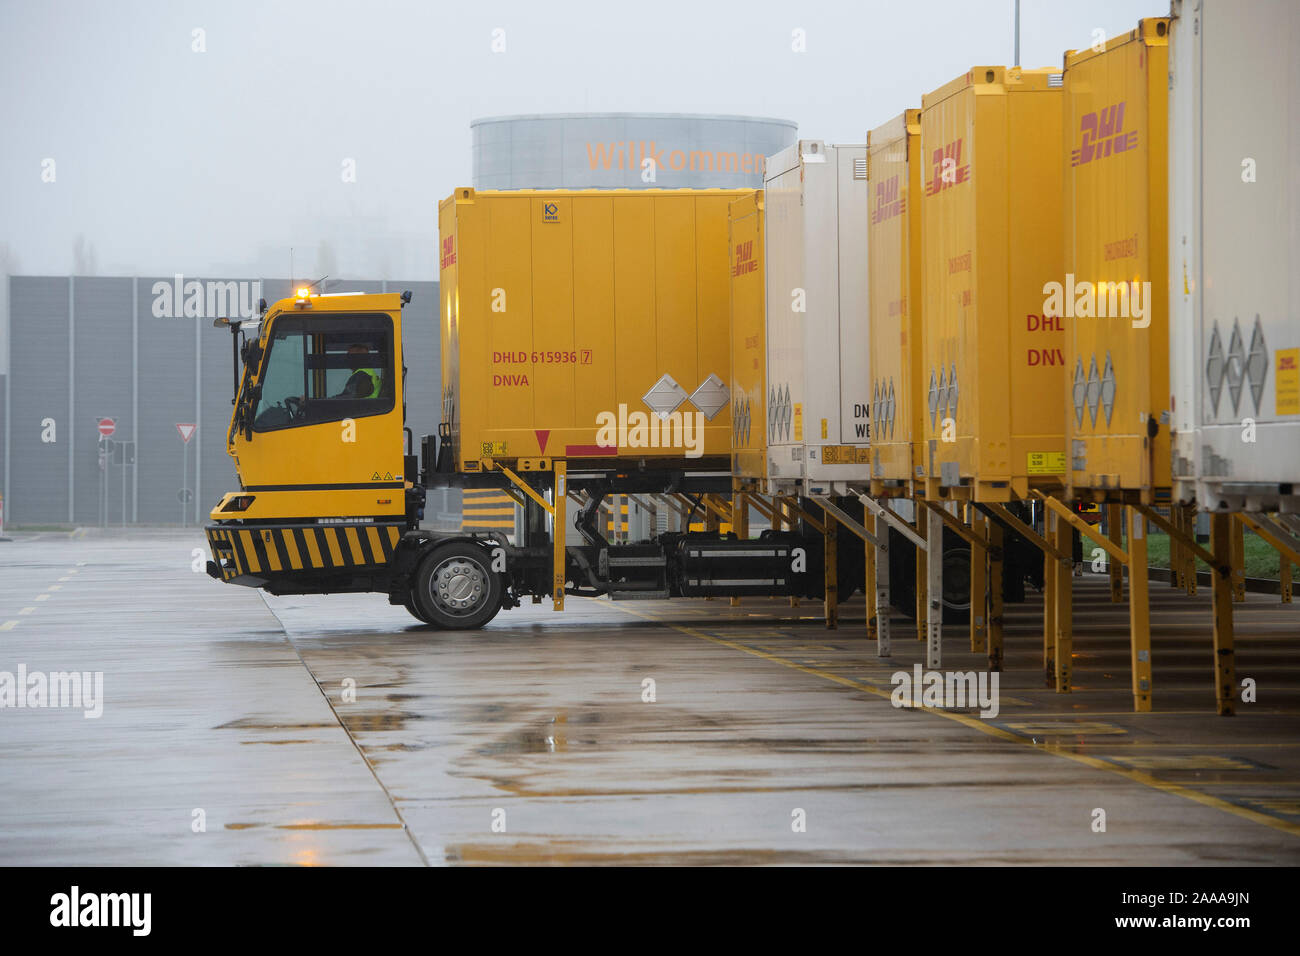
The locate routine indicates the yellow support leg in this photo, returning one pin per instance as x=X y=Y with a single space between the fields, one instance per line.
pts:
x=1050 y=581
x=978 y=598
x=739 y=524
x=1115 y=531
x=831 y=603
x=559 y=523
x=1223 y=535
x=1063 y=634
x=921 y=570
x=1238 y=559
x=994 y=532
x=1139 y=610
x=869 y=554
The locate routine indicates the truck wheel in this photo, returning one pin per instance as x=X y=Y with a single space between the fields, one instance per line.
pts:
x=956 y=585
x=411 y=606
x=455 y=587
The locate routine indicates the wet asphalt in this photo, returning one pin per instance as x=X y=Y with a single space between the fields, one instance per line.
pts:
x=238 y=729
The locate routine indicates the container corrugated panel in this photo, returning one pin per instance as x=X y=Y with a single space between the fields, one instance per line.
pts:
x=1113 y=293
x=818 y=391
x=894 y=280
x=748 y=355
x=1233 y=255
x=993 y=365
x=588 y=325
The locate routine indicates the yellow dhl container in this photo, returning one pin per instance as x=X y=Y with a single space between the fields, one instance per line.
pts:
x=748 y=338
x=1115 y=304
x=993 y=365
x=590 y=325
x=894 y=284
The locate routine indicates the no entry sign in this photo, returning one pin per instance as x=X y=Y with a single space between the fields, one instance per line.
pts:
x=106 y=427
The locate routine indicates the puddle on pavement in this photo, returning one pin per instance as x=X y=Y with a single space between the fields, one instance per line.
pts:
x=254 y=723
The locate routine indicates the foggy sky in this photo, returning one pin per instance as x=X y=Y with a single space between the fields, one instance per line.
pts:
x=215 y=163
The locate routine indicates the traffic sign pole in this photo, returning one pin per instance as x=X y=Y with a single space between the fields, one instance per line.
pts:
x=186 y=430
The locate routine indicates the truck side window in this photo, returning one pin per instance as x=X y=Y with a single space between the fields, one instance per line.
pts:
x=326 y=369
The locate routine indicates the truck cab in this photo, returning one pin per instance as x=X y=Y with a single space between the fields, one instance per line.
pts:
x=325 y=489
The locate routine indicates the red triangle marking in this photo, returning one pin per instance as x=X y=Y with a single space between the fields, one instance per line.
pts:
x=543 y=436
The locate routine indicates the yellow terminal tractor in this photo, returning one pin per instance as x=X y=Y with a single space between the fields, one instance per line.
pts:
x=585 y=349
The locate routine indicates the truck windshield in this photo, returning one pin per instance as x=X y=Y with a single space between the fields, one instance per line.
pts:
x=326 y=369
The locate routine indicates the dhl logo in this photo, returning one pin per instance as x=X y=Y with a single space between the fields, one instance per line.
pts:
x=1286 y=363
x=448 y=252
x=745 y=261
x=948 y=170
x=889 y=201
x=1103 y=135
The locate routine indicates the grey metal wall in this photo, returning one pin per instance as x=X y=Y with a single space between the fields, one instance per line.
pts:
x=3 y=406
x=585 y=150
x=83 y=348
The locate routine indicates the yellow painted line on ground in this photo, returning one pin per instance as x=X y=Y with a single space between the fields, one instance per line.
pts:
x=984 y=727
x=42 y=597
x=66 y=577
x=55 y=587
x=26 y=610
x=8 y=625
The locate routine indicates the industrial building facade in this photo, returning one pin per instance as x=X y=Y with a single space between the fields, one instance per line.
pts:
x=84 y=349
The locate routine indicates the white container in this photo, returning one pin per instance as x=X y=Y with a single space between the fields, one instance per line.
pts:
x=1234 y=253
x=818 y=388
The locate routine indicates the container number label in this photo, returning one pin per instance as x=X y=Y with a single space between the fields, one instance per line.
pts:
x=1045 y=463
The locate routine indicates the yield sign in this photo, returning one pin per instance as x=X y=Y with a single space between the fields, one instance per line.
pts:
x=187 y=431
x=543 y=436
x=106 y=427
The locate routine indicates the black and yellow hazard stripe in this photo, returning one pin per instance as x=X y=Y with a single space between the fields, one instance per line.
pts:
x=487 y=509
x=265 y=550
x=623 y=522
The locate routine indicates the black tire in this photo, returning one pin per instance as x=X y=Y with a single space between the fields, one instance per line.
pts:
x=956 y=577
x=455 y=587
x=956 y=584
x=410 y=605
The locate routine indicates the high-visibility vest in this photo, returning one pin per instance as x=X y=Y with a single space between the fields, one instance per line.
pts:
x=374 y=383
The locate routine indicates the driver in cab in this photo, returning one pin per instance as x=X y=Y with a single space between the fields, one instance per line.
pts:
x=364 y=382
